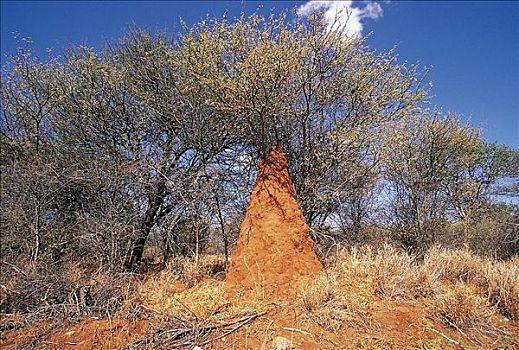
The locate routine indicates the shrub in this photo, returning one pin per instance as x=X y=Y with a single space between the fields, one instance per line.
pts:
x=46 y=293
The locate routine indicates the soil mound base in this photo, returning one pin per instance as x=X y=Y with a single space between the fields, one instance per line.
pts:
x=274 y=252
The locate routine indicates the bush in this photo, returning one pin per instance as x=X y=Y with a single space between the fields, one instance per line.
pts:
x=48 y=293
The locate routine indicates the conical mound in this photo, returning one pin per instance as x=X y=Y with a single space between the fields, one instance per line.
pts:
x=274 y=251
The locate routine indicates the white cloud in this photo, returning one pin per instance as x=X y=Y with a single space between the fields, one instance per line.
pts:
x=343 y=13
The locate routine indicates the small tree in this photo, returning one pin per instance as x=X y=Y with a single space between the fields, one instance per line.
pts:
x=421 y=159
x=31 y=165
x=468 y=188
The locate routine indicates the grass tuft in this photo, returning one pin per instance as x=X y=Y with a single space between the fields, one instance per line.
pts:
x=463 y=308
x=327 y=303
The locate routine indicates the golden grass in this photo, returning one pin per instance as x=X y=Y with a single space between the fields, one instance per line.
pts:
x=462 y=307
x=328 y=302
x=397 y=276
x=192 y=290
x=498 y=281
x=192 y=272
x=502 y=287
x=457 y=265
x=456 y=287
x=462 y=288
x=386 y=271
x=394 y=274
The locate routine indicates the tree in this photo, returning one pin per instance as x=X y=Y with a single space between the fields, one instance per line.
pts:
x=322 y=97
x=31 y=169
x=421 y=159
x=128 y=105
x=468 y=188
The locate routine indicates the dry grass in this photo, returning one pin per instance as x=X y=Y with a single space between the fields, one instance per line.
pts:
x=464 y=291
x=192 y=272
x=462 y=307
x=465 y=310
x=502 y=287
x=165 y=294
x=498 y=281
x=191 y=290
x=460 y=289
x=394 y=274
x=457 y=265
x=387 y=271
x=171 y=291
x=328 y=303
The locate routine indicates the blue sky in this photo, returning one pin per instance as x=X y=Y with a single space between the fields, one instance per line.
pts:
x=473 y=47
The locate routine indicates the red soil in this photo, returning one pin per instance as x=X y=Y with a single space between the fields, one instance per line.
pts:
x=98 y=334
x=88 y=334
x=274 y=251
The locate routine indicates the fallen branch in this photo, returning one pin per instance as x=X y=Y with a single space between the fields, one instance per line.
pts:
x=459 y=330
x=226 y=333
x=177 y=332
x=448 y=338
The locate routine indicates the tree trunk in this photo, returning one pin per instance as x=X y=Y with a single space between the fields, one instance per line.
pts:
x=154 y=203
x=466 y=224
x=222 y=230
x=197 y=246
x=37 y=234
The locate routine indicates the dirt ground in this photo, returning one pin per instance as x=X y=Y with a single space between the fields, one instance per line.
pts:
x=393 y=325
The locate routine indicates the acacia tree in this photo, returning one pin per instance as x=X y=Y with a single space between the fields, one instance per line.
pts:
x=468 y=188
x=158 y=115
x=323 y=98
x=128 y=104
x=422 y=159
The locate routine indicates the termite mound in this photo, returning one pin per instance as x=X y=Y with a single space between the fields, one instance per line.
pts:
x=274 y=252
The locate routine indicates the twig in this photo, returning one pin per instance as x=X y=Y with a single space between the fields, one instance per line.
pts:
x=15 y=268
x=49 y=342
x=332 y=342
x=459 y=330
x=297 y=330
x=245 y=321
x=150 y=309
x=448 y=338
x=264 y=343
x=184 y=333
x=187 y=308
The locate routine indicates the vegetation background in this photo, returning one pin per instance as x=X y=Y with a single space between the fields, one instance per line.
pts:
x=141 y=157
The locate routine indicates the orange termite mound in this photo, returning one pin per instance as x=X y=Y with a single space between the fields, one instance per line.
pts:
x=274 y=252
